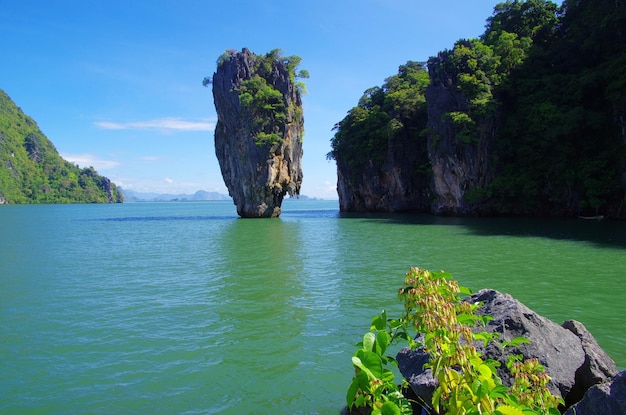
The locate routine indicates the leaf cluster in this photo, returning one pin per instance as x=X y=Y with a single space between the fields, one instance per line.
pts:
x=373 y=385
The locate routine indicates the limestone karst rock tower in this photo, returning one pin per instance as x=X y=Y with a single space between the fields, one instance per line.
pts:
x=258 y=137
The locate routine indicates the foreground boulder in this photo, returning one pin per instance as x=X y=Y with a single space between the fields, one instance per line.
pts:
x=258 y=137
x=571 y=356
x=603 y=399
x=598 y=366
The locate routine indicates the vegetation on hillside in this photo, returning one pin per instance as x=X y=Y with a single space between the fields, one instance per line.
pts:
x=261 y=100
x=32 y=171
x=561 y=147
x=547 y=84
x=394 y=112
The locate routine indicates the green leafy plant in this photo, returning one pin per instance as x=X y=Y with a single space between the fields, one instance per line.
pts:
x=374 y=383
x=467 y=383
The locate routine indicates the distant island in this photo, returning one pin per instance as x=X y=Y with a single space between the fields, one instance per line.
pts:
x=200 y=195
x=32 y=171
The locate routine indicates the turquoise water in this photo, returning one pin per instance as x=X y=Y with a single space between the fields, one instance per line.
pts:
x=182 y=308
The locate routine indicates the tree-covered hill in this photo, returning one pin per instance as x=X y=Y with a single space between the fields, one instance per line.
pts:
x=528 y=119
x=32 y=171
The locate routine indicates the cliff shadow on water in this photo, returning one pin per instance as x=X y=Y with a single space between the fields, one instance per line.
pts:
x=602 y=233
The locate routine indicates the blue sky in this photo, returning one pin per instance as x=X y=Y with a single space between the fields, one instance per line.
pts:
x=117 y=85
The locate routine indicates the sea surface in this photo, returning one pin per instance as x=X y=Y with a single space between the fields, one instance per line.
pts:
x=183 y=308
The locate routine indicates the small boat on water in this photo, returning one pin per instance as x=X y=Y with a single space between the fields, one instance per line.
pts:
x=597 y=217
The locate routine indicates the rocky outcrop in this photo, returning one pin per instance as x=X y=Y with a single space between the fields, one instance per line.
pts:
x=607 y=398
x=597 y=367
x=257 y=174
x=460 y=160
x=570 y=355
x=394 y=187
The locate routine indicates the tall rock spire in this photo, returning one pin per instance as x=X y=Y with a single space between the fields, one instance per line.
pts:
x=258 y=137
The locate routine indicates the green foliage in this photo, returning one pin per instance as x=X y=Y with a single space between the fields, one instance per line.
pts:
x=464 y=125
x=31 y=170
x=373 y=384
x=395 y=112
x=260 y=99
x=529 y=19
x=467 y=383
x=560 y=147
x=544 y=87
x=227 y=55
x=266 y=107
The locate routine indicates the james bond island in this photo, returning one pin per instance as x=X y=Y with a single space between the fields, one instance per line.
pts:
x=258 y=137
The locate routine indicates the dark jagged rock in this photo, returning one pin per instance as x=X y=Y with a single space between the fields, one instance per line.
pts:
x=459 y=164
x=380 y=148
x=381 y=190
x=257 y=176
x=598 y=366
x=411 y=364
x=607 y=398
x=392 y=188
x=563 y=353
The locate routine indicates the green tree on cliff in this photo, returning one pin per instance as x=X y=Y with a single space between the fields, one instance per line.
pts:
x=561 y=148
x=395 y=111
x=261 y=101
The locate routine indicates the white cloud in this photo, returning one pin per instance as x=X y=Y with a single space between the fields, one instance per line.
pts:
x=162 y=124
x=150 y=158
x=168 y=180
x=89 y=160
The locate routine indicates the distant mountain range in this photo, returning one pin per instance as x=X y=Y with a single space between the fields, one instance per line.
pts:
x=200 y=195
x=131 y=196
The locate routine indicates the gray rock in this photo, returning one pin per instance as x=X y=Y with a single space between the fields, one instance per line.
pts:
x=598 y=366
x=411 y=364
x=603 y=399
x=556 y=348
x=460 y=163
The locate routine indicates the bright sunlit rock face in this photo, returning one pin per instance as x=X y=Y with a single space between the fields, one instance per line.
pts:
x=259 y=152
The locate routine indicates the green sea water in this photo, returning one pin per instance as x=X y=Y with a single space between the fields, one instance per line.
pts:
x=182 y=308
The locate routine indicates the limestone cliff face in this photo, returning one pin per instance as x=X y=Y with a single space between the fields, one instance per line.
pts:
x=393 y=187
x=257 y=176
x=460 y=162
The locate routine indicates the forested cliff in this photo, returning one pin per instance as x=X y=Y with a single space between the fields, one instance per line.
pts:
x=32 y=171
x=528 y=119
